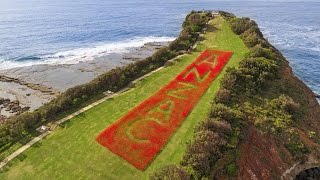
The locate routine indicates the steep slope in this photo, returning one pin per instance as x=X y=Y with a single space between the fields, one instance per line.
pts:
x=266 y=154
x=264 y=121
x=273 y=142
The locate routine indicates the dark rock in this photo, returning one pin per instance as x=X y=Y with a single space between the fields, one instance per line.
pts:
x=25 y=109
x=1 y=100
x=16 y=102
x=302 y=175
x=15 y=109
x=2 y=119
x=19 y=112
x=28 y=94
x=10 y=106
x=317 y=170
x=312 y=173
x=317 y=96
x=6 y=104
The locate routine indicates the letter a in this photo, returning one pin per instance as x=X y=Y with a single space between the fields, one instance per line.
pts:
x=210 y=60
x=175 y=92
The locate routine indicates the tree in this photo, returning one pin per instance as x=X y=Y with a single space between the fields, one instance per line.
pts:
x=195 y=19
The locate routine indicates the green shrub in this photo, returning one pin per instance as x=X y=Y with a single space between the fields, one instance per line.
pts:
x=285 y=103
x=223 y=112
x=220 y=126
x=222 y=96
x=170 y=172
x=204 y=150
x=240 y=25
x=228 y=16
x=259 y=51
x=229 y=79
x=296 y=146
x=231 y=169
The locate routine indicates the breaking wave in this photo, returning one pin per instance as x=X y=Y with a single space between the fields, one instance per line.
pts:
x=81 y=54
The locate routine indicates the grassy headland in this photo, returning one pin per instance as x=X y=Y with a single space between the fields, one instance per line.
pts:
x=71 y=151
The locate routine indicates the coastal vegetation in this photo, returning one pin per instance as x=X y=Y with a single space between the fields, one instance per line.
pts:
x=249 y=94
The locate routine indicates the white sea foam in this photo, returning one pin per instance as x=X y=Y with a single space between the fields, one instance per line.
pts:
x=84 y=54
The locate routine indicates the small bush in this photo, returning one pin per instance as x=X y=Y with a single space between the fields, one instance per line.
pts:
x=171 y=172
x=286 y=103
x=231 y=169
x=222 y=96
x=221 y=111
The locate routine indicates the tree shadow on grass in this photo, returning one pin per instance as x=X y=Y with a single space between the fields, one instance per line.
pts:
x=38 y=144
x=82 y=115
x=19 y=158
x=212 y=28
x=66 y=124
x=70 y=122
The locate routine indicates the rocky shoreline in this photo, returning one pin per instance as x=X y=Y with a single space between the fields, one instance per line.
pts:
x=11 y=107
x=27 y=88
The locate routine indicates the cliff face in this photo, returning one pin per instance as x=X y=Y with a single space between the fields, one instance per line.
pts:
x=311 y=120
x=264 y=154
x=261 y=157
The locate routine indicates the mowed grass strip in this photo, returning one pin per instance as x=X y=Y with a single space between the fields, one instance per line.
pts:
x=71 y=152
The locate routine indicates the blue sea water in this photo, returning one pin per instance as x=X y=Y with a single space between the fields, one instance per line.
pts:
x=59 y=31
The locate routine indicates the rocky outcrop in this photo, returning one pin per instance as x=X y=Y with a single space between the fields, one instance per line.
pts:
x=37 y=87
x=2 y=119
x=312 y=173
x=14 y=107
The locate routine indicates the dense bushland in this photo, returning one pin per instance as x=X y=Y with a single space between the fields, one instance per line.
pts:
x=248 y=95
x=17 y=127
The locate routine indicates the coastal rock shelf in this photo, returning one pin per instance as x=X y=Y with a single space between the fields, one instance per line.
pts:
x=38 y=87
x=13 y=94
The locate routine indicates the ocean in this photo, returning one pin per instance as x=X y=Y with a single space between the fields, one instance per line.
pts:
x=62 y=31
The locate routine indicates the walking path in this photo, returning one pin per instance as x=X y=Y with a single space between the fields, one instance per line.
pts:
x=23 y=148
x=57 y=123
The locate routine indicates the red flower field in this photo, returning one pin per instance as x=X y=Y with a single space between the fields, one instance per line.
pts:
x=140 y=134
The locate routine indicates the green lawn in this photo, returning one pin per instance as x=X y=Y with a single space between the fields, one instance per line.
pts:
x=71 y=152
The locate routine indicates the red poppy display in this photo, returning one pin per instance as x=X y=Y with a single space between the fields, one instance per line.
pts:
x=140 y=134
